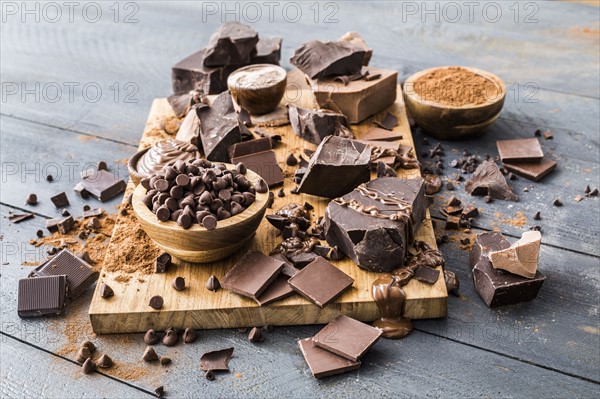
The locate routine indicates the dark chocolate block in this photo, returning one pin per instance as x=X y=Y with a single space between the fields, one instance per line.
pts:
x=531 y=171
x=41 y=296
x=268 y=51
x=103 y=185
x=250 y=147
x=323 y=363
x=319 y=59
x=337 y=167
x=375 y=224
x=232 y=44
x=191 y=74
x=220 y=128
x=484 y=243
x=60 y=200
x=315 y=125
x=80 y=275
x=183 y=102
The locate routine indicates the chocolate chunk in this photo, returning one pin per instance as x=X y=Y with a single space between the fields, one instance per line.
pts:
x=323 y=363
x=532 y=171
x=178 y=283
x=220 y=128
x=288 y=214
x=433 y=184
x=356 y=39
x=94 y=223
x=319 y=59
x=320 y=282
x=20 y=217
x=150 y=338
x=315 y=125
x=182 y=102
x=190 y=336
x=389 y=121
x=337 y=167
x=250 y=147
x=291 y=160
x=60 y=200
x=209 y=375
x=281 y=193
x=265 y=165
x=520 y=150
x=159 y=391
x=298 y=251
x=31 y=199
x=375 y=224
x=102 y=165
x=487 y=180
x=171 y=338
x=245 y=118
x=163 y=261
x=49 y=178
x=384 y=170
x=452 y=223
x=452 y=283
x=191 y=74
x=277 y=290
x=105 y=361
x=103 y=185
x=469 y=211
x=594 y=192
x=521 y=258
x=106 y=291
x=213 y=284
x=156 y=302
x=252 y=274
x=41 y=296
x=83 y=354
x=88 y=366
x=427 y=274
x=164 y=360
x=149 y=355
x=232 y=44
x=557 y=202
x=79 y=273
x=216 y=360
x=548 y=135
x=80 y=190
x=255 y=335
x=268 y=51
x=537 y=216
x=347 y=337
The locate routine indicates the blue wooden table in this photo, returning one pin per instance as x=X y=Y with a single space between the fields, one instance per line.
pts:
x=77 y=83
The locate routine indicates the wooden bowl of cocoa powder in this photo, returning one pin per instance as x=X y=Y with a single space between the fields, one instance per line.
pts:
x=454 y=102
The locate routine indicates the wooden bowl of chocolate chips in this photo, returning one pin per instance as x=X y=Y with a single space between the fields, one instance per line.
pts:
x=199 y=211
x=454 y=102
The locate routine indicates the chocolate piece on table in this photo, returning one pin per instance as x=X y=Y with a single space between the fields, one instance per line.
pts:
x=150 y=355
x=106 y=291
x=163 y=261
x=390 y=299
x=520 y=150
x=190 y=336
x=268 y=51
x=520 y=258
x=384 y=170
x=60 y=200
x=159 y=391
x=103 y=185
x=80 y=190
x=255 y=335
x=93 y=212
x=487 y=180
x=337 y=167
x=356 y=39
x=323 y=363
x=178 y=283
x=484 y=243
x=213 y=284
x=358 y=99
x=531 y=171
x=105 y=361
x=31 y=199
x=433 y=184
x=216 y=360
x=252 y=274
x=427 y=275
x=80 y=275
x=347 y=337
x=191 y=74
x=182 y=102
x=52 y=224
x=320 y=282
x=220 y=128
x=232 y=43
x=88 y=367
x=150 y=338
x=277 y=290
x=452 y=282
x=171 y=338
x=250 y=147
x=264 y=164
x=388 y=122
x=379 y=134
x=156 y=302
x=20 y=217
x=319 y=59
x=374 y=224
x=470 y=211
x=41 y=296
x=452 y=223
x=315 y=125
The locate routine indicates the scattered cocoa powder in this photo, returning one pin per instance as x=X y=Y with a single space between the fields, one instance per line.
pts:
x=519 y=220
x=456 y=87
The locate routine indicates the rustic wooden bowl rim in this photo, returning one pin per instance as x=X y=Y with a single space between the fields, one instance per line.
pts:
x=488 y=75
x=143 y=212
x=256 y=88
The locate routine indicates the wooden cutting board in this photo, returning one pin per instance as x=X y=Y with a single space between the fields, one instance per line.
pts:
x=196 y=307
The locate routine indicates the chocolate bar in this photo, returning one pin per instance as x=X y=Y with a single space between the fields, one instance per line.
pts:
x=347 y=337
x=41 y=296
x=252 y=274
x=520 y=150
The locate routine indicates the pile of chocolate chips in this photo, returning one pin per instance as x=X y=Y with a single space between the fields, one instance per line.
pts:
x=198 y=191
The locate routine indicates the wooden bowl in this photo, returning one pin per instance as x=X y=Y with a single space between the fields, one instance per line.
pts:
x=447 y=122
x=197 y=244
x=132 y=166
x=258 y=88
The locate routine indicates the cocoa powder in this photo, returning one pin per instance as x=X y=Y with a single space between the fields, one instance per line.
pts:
x=456 y=87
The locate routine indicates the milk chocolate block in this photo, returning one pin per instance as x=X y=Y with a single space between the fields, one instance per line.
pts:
x=337 y=167
x=232 y=44
x=323 y=363
x=520 y=150
x=347 y=337
x=41 y=296
x=80 y=275
x=319 y=59
x=358 y=99
x=374 y=225
x=315 y=125
x=531 y=171
x=268 y=51
x=252 y=274
x=191 y=74
x=220 y=128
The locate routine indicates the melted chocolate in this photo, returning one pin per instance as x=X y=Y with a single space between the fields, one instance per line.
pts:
x=390 y=299
x=165 y=152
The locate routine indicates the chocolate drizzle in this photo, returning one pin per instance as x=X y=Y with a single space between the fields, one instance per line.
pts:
x=166 y=152
x=390 y=299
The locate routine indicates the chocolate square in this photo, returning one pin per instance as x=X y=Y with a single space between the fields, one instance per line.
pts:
x=103 y=185
x=531 y=171
x=60 y=200
x=520 y=150
x=41 y=296
x=323 y=363
x=347 y=337
x=252 y=274
x=277 y=290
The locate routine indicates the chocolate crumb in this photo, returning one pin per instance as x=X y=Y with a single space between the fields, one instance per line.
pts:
x=106 y=291
x=165 y=360
x=39 y=233
x=557 y=202
x=159 y=391
x=537 y=216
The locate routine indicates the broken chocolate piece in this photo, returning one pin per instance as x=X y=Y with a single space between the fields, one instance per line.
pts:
x=250 y=147
x=252 y=274
x=298 y=251
x=337 y=167
x=488 y=180
x=315 y=125
x=389 y=121
x=320 y=282
x=103 y=185
x=163 y=261
x=232 y=44
x=255 y=335
x=356 y=39
x=106 y=291
x=347 y=337
x=268 y=51
x=182 y=102
x=265 y=165
x=520 y=258
x=164 y=360
x=323 y=363
x=60 y=200
x=319 y=59
x=20 y=217
x=427 y=275
x=216 y=360
x=433 y=184
x=452 y=283
x=159 y=391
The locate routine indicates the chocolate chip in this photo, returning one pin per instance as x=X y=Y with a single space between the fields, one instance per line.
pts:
x=209 y=375
x=159 y=391
x=52 y=250
x=445 y=238
x=291 y=160
x=39 y=233
x=31 y=199
x=465 y=241
x=179 y=283
x=123 y=212
x=94 y=223
x=537 y=216
x=184 y=220
x=536 y=228
x=161 y=185
x=163 y=261
x=83 y=354
x=449 y=186
x=86 y=208
x=88 y=344
x=261 y=186
x=281 y=193
x=150 y=355
x=165 y=360
x=102 y=166
x=171 y=338
x=213 y=284
x=182 y=180
x=593 y=193
x=255 y=335
x=104 y=361
x=156 y=302
x=209 y=222
x=557 y=202
x=49 y=178
x=189 y=336
x=151 y=338
x=88 y=366
x=106 y=291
